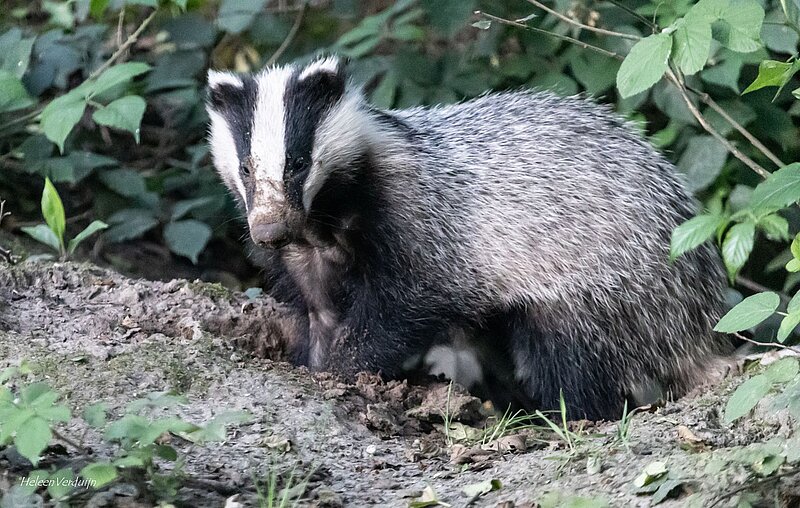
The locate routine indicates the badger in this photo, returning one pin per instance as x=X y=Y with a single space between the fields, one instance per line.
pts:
x=538 y=226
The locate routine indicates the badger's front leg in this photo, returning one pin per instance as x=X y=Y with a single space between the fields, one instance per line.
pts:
x=370 y=340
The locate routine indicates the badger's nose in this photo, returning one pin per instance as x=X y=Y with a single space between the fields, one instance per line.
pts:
x=274 y=235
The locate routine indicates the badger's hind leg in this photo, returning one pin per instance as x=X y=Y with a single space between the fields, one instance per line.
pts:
x=552 y=357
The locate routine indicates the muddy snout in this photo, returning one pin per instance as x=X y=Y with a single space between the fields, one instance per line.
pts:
x=271 y=235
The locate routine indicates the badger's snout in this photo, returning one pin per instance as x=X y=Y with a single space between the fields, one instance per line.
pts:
x=272 y=235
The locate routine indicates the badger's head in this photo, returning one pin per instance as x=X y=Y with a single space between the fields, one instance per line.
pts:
x=280 y=138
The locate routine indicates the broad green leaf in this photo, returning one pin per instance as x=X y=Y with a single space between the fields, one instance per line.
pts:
x=746 y=396
x=772 y=73
x=651 y=472
x=783 y=370
x=43 y=234
x=54 y=413
x=13 y=420
x=737 y=247
x=794 y=304
x=740 y=26
x=236 y=15
x=128 y=461
x=182 y=208
x=32 y=438
x=99 y=474
x=476 y=490
x=60 y=484
x=91 y=229
x=61 y=115
x=779 y=190
x=791 y=9
x=691 y=43
x=125 y=113
x=53 y=211
x=125 y=182
x=116 y=75
x=775 y=227
x=449 y=16
x=95 y=414
x=693 y=233
x=749 y=312
x=708 y=10
x=98 y=7
x=187 y=237
x=793 y=265
x=644 y=65
x=702 y=161
x=13 y=95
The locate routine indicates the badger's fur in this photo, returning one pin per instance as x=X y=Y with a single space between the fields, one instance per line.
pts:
x=540 y=225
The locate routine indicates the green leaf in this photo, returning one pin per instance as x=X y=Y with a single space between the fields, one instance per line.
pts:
x=61 y=115
x=53 y=211
x=476 y=490
x=116 y=75
x=791 y=9
x=793 y=265
x=125 y=182
x=187 y=237
x=737 y=247
x=775 y=227
x=32 y=438
x=60 y=483
x=788 y=324
x=43 y=234
x=449 y=16
x=95 y=414
x=651 y=472
x=772 y=73
x=749 y=312
x=97 y=8
x=693 y=233
x=125 y=113
x=91 y=229
x=644 y=65
x=99 y=474
x=779 y=190
x=708 y=10
x=236 y=15
x=128 y=461
x=702 y=161
x=740 y=26
x=783 y=370
x=746 y=396
x=691 y=43
x=13 y=95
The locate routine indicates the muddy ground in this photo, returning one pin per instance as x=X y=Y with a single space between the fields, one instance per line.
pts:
x=95 y=335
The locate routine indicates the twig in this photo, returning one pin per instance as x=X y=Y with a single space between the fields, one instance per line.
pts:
x=584 y=45
x=635 y=14
x=120 y=22
x=762 y=344
x=130 y=41
x=748 y=486
x=62 y=437
x=581 y=25
x=719 y=137
x=736 y=125
x=755 y=286
x=298 y=20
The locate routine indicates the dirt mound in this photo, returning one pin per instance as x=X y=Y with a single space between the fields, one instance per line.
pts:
x=94 y=335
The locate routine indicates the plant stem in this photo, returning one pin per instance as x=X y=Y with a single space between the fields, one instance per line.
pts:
x=298 y=20
x=130 y=41
x=581 y=25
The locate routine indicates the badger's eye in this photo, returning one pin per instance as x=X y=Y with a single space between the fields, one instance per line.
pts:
x=246 y=168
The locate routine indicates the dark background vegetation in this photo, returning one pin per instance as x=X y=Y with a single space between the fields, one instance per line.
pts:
x=168 y=213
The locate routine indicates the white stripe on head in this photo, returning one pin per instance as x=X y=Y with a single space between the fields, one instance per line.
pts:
x=216 y=78
x=330 y=64
x=268 y=146
x=223 y=149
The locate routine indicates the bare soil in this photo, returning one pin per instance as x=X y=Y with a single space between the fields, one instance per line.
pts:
x=95 y=335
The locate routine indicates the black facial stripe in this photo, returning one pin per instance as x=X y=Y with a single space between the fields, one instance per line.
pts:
x=307 y=101
x=237 y=106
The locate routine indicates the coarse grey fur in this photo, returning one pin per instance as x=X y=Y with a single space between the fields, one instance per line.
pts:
x=540 y=224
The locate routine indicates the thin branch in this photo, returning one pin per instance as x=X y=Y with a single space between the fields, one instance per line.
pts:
x=62 y=437
x=635 y=14
x=711 y=130
x=755 y=286
x=584 y=45
x=762 y=344
x=748 y=486
x=736 y=125
x=130 y=41
x=298 y=20
x=581 y=25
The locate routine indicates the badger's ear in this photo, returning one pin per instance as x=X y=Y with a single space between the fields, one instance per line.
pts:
x=221 y=85
x=330 y=71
